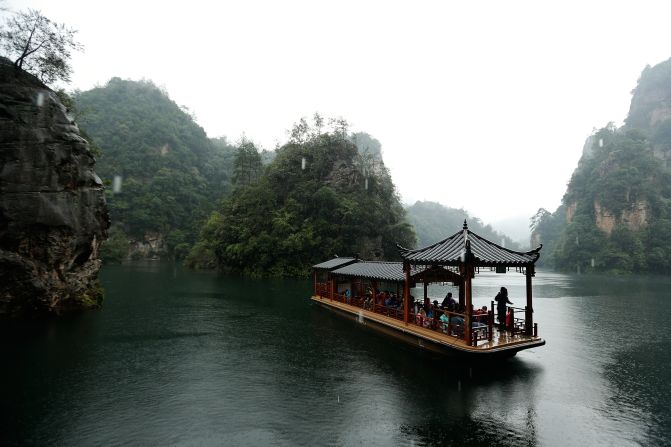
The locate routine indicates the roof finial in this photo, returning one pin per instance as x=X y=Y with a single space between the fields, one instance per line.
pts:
x=465 y=225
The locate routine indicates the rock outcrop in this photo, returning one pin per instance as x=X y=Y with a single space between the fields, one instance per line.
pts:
x=634 y=217
x=53 y=215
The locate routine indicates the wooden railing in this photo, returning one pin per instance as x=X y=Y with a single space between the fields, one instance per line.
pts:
x=322 y=289
x=516 y=324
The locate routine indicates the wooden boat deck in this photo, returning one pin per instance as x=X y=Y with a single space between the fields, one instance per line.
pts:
x=500 y=343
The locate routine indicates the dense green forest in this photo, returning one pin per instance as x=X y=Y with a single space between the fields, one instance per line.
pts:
x=239 y=208
x=321 y=196
x=616 y=213
x=434 y=222
x=171 y=173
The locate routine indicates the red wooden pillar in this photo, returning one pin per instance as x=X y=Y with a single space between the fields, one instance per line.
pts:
x=406 y=293
x=529 y=315
x=468 y=292
x=332 y=288
x=490 y=323
x=468 y=270
x=374 y=296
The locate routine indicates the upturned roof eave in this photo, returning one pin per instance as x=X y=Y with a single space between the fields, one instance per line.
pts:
x=534 y=254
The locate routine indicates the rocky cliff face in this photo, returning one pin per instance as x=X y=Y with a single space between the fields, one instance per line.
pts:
x=634 y=217
x=53 y=215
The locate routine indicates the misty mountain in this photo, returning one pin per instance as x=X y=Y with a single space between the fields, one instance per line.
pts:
x=516 y=227
x=434 y=222
x=616 y=212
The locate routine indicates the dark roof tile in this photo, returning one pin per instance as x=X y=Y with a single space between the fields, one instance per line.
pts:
x=334 y=263
x=450 y=251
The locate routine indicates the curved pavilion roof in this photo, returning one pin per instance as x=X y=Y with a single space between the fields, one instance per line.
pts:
x=451 y=251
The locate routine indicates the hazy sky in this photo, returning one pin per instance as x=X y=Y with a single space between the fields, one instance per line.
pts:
x=480 y=105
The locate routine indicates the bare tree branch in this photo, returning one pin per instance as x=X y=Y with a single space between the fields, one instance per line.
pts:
x=39 y=45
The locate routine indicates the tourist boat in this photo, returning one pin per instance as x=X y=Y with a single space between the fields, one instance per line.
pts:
x=351 y=287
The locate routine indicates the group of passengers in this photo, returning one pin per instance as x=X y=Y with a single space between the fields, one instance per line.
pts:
x=427 y=313
x=433 y=315
x=384 y=298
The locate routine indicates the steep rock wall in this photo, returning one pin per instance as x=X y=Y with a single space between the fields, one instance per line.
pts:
x=53 y=215
x=635 y=217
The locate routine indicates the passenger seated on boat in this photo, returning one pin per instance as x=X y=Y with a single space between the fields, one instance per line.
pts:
x=420 y=317
x=480 y=315
x=457 y=324
x=448 y=301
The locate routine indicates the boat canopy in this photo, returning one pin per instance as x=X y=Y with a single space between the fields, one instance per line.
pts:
x=334 y=263
x=453 y=250
x=382 y=270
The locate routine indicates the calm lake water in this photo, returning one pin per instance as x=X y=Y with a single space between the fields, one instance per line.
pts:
x=181 y=357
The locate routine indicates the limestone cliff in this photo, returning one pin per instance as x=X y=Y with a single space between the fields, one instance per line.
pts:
x=616 y=213
x=53 y=215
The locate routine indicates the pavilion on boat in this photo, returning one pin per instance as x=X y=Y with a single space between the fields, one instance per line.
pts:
x=353 y=287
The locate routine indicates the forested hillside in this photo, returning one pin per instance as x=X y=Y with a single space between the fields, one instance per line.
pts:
x=171 y=173
x=434 y=222
x=319 y=197
x=616 y=213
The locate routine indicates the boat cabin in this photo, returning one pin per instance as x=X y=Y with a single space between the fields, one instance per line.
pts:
x=380 y=294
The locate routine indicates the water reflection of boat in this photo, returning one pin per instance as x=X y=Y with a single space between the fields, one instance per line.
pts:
x=353 y=288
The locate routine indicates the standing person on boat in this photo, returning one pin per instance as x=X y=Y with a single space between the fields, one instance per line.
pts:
x=501 y=300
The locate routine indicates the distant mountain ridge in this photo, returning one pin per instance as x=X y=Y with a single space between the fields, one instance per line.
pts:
x=434 y=222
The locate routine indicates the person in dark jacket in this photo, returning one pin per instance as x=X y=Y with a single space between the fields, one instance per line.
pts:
x=501 y=300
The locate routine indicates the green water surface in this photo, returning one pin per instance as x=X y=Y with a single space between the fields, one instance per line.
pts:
x=196 y=358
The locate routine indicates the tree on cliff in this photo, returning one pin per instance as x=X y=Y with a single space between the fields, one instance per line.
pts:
x=247 y=165
x=38 y=45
